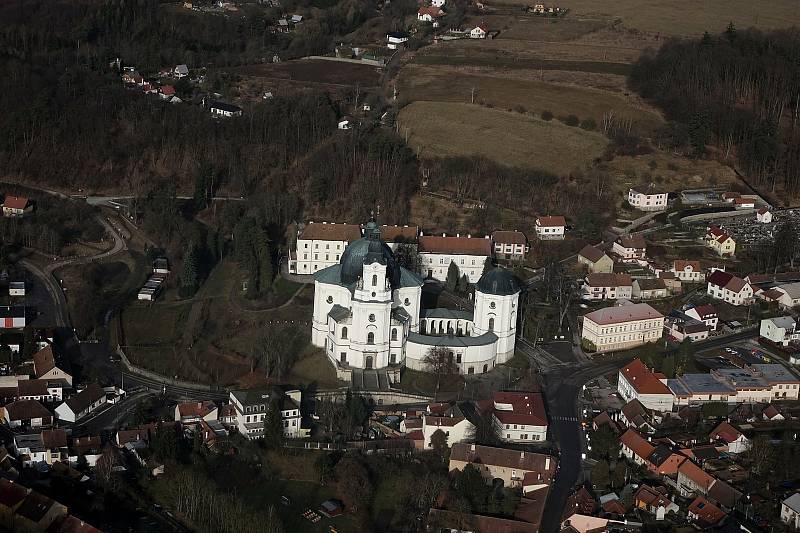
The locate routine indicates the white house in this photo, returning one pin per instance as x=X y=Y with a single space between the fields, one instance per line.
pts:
x=595 y=259
x=468 y=253
x=688 y=271
x=649 y=289
x=223 y=109
x=449 y=420
x=519 y=417
x=636 y=381
x=16 y=288
x=345 y=124
x=429 y=14
x=718 y=240
x=764 y=215
x=251 y=410
x=320 y=245
x=729 y=288
x=790 y=511
x=647 y=198
x=438 y=3
x=16 y=206
x=48 y=447
x=26 y=413
x=181 y=71
x=510 y=245
x=733 y=439
x=630 y=248
x=46 y=365
x=83 y=403
x=780 y=330
x=706 y=314
x=478 y=32
x=603 y=286
x=622 y=327
x=790 y=294
x=395 y=39
x=550 y=227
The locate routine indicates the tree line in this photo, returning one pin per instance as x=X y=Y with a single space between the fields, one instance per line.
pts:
x=737 y=93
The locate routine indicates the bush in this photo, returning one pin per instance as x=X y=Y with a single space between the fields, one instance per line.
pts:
x=589 y=124
x=520 y=109
x=571 y=120
x=547 y=115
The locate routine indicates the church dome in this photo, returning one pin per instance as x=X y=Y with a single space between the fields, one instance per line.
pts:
x=499 y=282
x=367 y=250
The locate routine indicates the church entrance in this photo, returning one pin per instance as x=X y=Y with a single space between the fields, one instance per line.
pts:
x=369 y=362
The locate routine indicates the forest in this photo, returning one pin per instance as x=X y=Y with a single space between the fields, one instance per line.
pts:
x=735 y=96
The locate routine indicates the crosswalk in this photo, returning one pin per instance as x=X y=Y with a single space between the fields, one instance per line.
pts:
x=564 y=418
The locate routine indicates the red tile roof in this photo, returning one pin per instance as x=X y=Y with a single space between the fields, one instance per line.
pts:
x=591 y=253
x=642 y=379
x=11 y=494
x=487 y=455
x=526 y=408
x=725 y=432
x=681 y=264
x=623 y=313
x=44 y=361
x=509 y=237
x=331 y=232
x=696 y=474
x=434 y=12
x=455 y=245
x=551 y=221
x=632 y=241
x=636 y=443
x=168 y=90
x=15 y=202
x=399 y=233
x=196 y=409
x=605 y=279
x=706 y=512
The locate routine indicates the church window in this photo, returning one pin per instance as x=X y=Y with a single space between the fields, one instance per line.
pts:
x=407 y=302
x=393 y=358
x=458 y=358
x=485 y=368
x=372 y=317
x=374 y=280
x=492 y=305
x=343 y=357
x=370 y=338
x=305 y=256
x=330 y=299
x=491 y=324
x=344 y=333
x=316 y=256
x=326 y=257
x=394 y=334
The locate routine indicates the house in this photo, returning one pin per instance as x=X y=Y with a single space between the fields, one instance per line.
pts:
x=635 y=448
x=595 y=259
x=12 y=317
x=635 y=415
x=396 y=39
x=604 y=419
x=688 y=271
x=42 y=390
x=478 y=32
x=251 y=410
x=71 y=524
x=519 y=417
x=772 y=414
x=649 y=289
x=470 y=255
x=693 y=480
x=438 y=3
x=194 y=412
x=790 y=511
x=758 y=383
x=764 y=215
x=49 y=446
x=510 y=245
x=16 y=206
x=181 y=71
x=345 y=123
x=12 y=495
x=550 y=227
x=429 y=14
x=83 y=403
x=320 y=245
x=647 y=197
x=446 y=418
x=733 y=439
x=16 y=288
x=704 y=513
x=729 y=288
x=744 y=203
x=26 y=414
x=37 y=513
x=655 y=501
x=515 y=468
x=601 y=286
x=50 y=365
x=630 y=248
x=706 y=314
x=636 y=381
x=781 y=330
x=88 y=447
x=136 y=438
x=452 y=521
x=166 y=91
x=223 y=109
x=681 y=326
x=622 y=327
x=719 y=241
x=578 y=523
x=789 y=295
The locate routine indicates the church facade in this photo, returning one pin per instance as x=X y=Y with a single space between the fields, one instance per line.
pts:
x=368 y=314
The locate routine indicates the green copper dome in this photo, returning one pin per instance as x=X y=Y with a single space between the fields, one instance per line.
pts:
x=499 y=282
x=365 y=251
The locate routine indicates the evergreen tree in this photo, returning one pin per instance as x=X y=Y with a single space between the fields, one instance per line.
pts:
x=273 y=426
x=463 y=284
x=452 y=277
x=487 y=265
x=202 y=186
x=190 y=276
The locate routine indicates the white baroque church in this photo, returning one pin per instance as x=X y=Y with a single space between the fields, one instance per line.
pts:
x=368 y=314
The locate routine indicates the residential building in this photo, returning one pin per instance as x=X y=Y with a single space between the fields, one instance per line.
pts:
x=42 y=390
x=514 y=467
x=744 y=202
x=396 y=39
x=622 y=327
x=729 y=288
x=601 y=286
x=49 y=446
x=429 y=14
x=688 y=271
x=37 y=513
x=780 y=330
x=595 y=259
x=510 y=245
x=704 y=513
x=760 y=383
x=790 y=295
x=520 y=417
x=50 y=365
x=671 y=282
x=181 y=71
x=223 y=109
x=16 y=206
x=636 y=381
x=649 y=289
x=630 y=248
x=83 y=403
x=442 y=520
x=446 y=418
x=550 y=227
x=635 y=415
x=635 y=448
x=320 y=245
x=731 y=438
x=470 y=255
x=790 y=511
x=12 y=317
x=706 y=314
x=681 y=326
x=764 y=216
x=194 y=412
x=16 y=288
x=26 y=414
x=655 y=501
x=718 y=240
x=251 y=410
x=648 y=197
x=478 y=32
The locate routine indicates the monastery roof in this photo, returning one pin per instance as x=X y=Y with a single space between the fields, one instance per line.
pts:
x=331 y=232
x=509 y=237
x=455 y=245
x=623 y=313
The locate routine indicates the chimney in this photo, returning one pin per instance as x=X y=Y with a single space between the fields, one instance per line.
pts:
x=458 y=235
x=521 y=456
x=469 y=235
x=472 y=447
x=444 y=234
x=547 y=463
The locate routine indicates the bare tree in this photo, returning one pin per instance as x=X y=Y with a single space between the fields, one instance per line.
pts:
x=440 y=361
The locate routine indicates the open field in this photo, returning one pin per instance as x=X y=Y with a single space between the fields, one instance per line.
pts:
x=512 y=139
x=314 y=71
x=683 y=17
x=454 y=85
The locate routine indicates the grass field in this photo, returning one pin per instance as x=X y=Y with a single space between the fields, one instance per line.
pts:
x=512 y=139
x=453 y=85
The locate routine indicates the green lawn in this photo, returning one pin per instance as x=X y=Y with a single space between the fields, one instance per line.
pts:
x=159 y=323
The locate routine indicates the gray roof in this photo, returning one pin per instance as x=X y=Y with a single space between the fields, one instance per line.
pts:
x=441 y=312
x=498 y=281
x=252 y=397
x=775 y=373
x=401 y=314
x=698 y=384
x=338 y=313
x=791 y=289
x=332 y=275
x=742 y=378
x=785 y=322
x=793 y=502
x=452 y=341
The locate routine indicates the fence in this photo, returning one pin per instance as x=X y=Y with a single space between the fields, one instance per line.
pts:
x=366 y=446
x=390 y=397
x=133 y=369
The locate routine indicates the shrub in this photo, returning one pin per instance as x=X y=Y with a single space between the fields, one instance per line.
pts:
x=547 y=115
x=520 y=109
x=589 y=124
x=571 y=120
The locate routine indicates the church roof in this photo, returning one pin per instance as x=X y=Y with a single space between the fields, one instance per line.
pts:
x=449 y=340
x=338 y=312
x=498 y=281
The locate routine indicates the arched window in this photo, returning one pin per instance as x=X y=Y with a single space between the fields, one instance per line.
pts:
x=344 y=333
x=394 y=334
x=485 y=368
x=491 y=324
x=370 y=338
x=374 y=280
